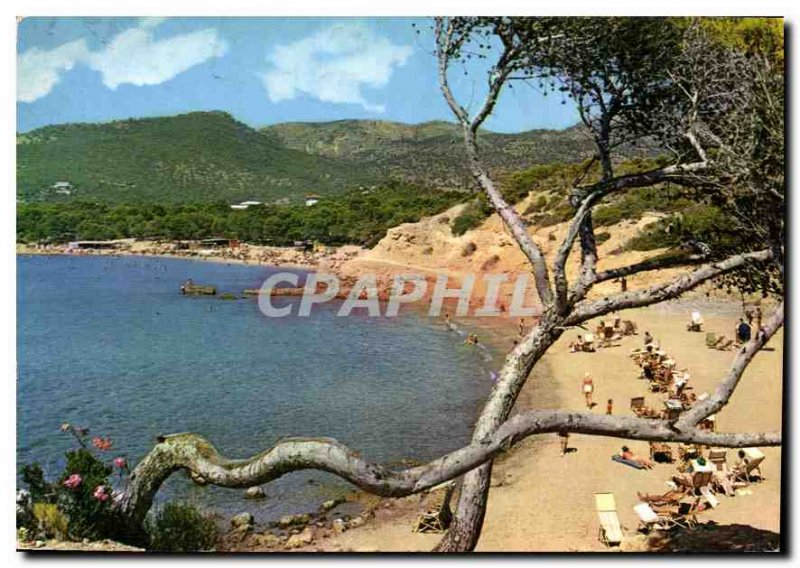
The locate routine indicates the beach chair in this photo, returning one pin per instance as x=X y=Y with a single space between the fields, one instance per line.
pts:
x=641 y=410
x=711 y=339
x=751 y=464
x=722 y=478
x=661 y=452
x=588 y=342
x=664 y=518
x=438 y=518
x=709 y=423
x=701 y=475
x=709 y=497
x=610 y=532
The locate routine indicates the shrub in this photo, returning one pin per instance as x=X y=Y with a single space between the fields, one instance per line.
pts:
x=50 y=521
x=180 y=527
x=78 y=504
x=602 y=237
x=472 y=216
x=469 y=249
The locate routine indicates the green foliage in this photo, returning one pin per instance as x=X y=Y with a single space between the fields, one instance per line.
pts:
x=50 y=521
x=602 y=237
x=209 y=156
x=180 y=527
x=633 y=204
x=432 y=153
x=762 y=36
x=697 y=222
x=195 y=157
x=357 y=216
x=475 y=212
x=33 y=477
x=88 y=516
x=78 y=504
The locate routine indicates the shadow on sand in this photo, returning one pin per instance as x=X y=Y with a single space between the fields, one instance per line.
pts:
x=712 y=537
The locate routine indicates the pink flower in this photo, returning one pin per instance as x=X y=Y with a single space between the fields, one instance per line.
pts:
x=120 y=462
x=102 y=444
x=100 y=493
x=73 y=481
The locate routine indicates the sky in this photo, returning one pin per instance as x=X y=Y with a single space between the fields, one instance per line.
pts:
x=261 y=70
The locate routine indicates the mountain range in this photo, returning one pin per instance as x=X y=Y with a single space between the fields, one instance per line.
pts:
x=210 y=156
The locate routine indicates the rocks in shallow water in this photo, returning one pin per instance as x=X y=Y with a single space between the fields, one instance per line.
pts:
x=306 y=536
x=256 y=492
x=294 y=520
x=243 y=521
x=330 y=504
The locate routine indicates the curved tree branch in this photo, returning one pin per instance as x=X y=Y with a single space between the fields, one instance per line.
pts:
x=585 y=309
x=725 y=389
x=206 y=465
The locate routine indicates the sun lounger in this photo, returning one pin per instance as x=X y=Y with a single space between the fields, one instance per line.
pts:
x=709 y=497
x=663 y=518
x=711 y=339
x=610 y=532
x=631 y=463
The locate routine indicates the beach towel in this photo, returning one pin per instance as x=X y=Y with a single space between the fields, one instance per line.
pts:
x=622 y=460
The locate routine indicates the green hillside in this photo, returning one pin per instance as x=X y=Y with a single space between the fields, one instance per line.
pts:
x=204 y=157
x=430 y=153
x=196 y=157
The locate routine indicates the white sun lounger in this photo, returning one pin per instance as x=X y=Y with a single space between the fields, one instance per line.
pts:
x=610 y=532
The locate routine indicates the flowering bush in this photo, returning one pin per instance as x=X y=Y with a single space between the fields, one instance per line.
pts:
x=83 y=492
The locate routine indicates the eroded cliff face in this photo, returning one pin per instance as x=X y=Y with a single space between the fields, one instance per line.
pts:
x=429 y=247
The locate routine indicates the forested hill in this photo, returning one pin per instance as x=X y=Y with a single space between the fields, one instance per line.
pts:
x=431 y=153
x=202 y=157
x=196 y=157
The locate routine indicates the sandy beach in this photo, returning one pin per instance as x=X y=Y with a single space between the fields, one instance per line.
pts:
x=541 y=501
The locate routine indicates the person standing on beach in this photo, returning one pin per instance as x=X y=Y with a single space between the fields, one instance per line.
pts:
x=588 y=389
x=521 y=327
x=564 y=437
x=758 y=316
x=743 y=331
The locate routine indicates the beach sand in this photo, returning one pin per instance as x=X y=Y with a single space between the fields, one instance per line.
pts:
x=541 y=501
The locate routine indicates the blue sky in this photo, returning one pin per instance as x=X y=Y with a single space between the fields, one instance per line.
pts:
x=261 y=70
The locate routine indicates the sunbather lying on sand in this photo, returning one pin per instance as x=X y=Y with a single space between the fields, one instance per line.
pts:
x=627 y=454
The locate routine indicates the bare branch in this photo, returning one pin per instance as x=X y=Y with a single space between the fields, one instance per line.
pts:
x=726 y=388
x=203 y=462
x=586 y=310
x=657 y=263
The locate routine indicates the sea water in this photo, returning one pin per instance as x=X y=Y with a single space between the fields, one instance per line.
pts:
x=110 y=343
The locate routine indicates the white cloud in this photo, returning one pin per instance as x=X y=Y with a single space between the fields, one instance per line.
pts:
x=132 y=57
x=135 y=57
x=334 y=65
x=38 y=70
